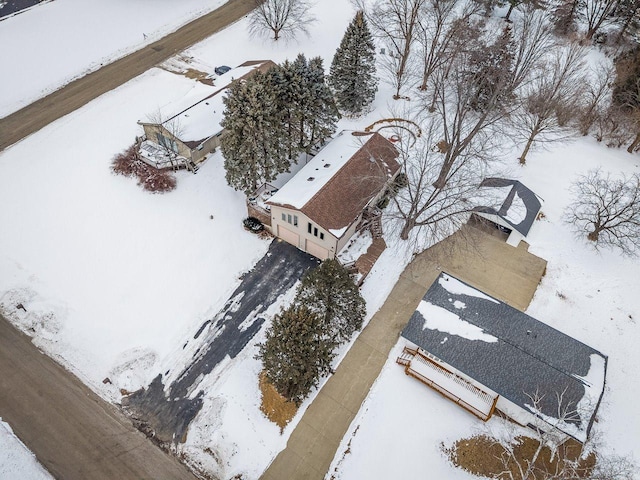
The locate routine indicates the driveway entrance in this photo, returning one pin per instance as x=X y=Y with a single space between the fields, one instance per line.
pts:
x=485 y=262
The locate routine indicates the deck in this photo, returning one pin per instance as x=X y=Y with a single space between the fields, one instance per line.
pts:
x=426 y=368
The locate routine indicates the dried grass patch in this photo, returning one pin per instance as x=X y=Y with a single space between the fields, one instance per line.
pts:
x=277 y=408
x=482 y=456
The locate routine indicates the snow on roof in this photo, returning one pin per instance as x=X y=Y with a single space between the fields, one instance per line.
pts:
x=511 y=201
x=341 y=180
x=196 y=117
x=527 y=358
x=438 y=318
x=320 y=169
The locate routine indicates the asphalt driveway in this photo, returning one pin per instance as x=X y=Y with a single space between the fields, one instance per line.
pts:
x=166 y=417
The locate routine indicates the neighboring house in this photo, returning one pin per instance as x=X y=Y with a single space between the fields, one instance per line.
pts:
x=320 y=208
x=189 y=129
x=487 y=356
x=511 y=206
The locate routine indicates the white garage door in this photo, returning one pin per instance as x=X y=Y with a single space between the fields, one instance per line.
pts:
x=317 y=251
x=289 y=236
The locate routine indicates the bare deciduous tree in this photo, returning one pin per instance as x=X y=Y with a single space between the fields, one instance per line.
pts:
x=552 y=99
x=443 y=26
x=597 y=13
x=597 y=96
x=607 y=210
x=282 y=18
x=169 y=130
x=565 y=14
x=464 y=126
x=396 y=24
x=423 y=213
x=533 y=37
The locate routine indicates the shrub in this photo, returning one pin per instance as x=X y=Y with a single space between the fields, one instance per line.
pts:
x=128 y=163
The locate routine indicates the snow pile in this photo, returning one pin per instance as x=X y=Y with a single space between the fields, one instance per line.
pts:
x=356 y=247
x=16 y=461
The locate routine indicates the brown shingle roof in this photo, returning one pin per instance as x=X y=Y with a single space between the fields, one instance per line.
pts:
x=339 y=202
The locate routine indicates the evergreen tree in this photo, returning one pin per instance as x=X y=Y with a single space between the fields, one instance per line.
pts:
x=490 y=69
x=271 y=118
x=320 y=114
x=352 y=75
x=296 y=352
x=253 y=145
x=329 y=292
x=287 y=83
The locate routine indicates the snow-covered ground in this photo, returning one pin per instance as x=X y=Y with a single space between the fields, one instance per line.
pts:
x=16 y=461
x=592 y=296
x=115 y=279
x=50 y=44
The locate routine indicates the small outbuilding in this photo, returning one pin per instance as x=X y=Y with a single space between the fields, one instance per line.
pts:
x=510 y=206
x=320 y=208
x=487 y=356
x=188 y=129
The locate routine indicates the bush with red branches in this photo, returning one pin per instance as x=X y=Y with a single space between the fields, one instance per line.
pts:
x=129 y=164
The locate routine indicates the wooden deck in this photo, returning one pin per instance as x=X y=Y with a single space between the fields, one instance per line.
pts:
x=424 y=367
x=365 y=263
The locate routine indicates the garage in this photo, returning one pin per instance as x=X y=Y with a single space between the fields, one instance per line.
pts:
x=317 y=251
x=289 y=236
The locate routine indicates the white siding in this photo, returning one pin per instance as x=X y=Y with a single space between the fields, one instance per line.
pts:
x=319 y=247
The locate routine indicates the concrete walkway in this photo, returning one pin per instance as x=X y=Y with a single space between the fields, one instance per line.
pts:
x=73 y=432
x=74 y=95
x=509 y=274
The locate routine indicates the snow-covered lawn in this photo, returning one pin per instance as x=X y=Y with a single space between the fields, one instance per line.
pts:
x=108 y=273
x=592 y=296
x=49 y=45
x=115 y=279
x=16 y=461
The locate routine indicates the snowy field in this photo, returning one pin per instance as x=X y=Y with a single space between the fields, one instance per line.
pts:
x=115 y=279
x=589 y=295
x=51 y=44
x=16 y=461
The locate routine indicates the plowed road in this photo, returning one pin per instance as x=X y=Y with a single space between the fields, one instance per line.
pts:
x=73 y=432
x=74 y=95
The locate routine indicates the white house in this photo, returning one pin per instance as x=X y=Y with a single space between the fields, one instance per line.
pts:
x=488 y=356
x=509 y=205
x=321 y=207
x=188 y=129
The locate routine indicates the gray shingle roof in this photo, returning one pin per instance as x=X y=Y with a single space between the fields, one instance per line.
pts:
x=531 y=202
x=526 y=356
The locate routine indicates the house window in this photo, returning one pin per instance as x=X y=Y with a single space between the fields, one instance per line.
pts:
x=167 y=143
x=309 y=227
x=295 y=220
x=321 y=236
x=315 y=231
x=288 y=218
x=284 y=217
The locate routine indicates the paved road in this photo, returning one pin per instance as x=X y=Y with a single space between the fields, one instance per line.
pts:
x=169 y=414
x=507 y=273
x=74 y=95
x=73 y=432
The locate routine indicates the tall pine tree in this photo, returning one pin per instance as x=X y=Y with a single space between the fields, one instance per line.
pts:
x=330 y=293
x=271 y=118
x=319 y=114
x=253 y=145
x=352 y=76
x=296 y=352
